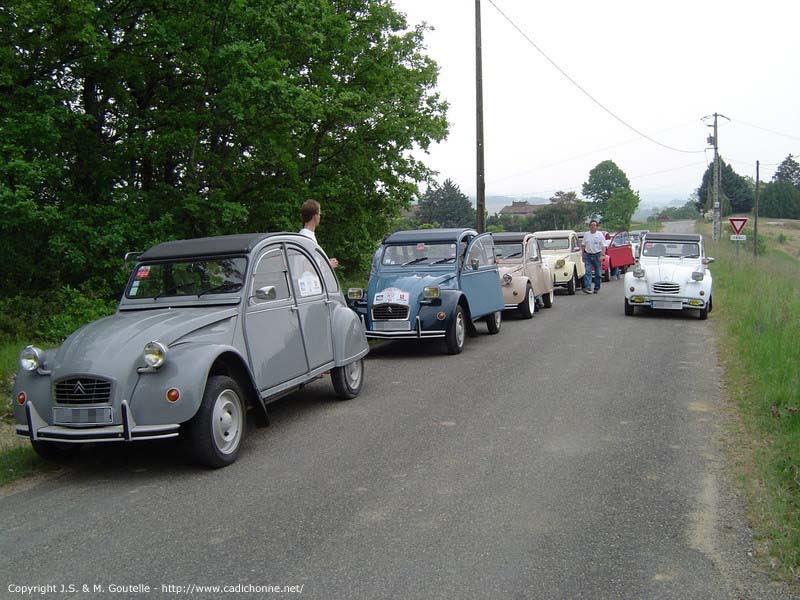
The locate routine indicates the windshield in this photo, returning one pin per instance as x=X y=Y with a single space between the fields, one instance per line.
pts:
x=419 y=254
x=554 y=244
x=506 y=251
x=188 y=278
x=671 y=250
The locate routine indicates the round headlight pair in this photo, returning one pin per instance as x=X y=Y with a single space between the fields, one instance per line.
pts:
x=155 y=353
x=31 y=358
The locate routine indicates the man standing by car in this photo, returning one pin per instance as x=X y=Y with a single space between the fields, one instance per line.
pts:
x=593 y=249
x=311 y=214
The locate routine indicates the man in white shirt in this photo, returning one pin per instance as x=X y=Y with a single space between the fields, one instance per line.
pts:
x=312 y=214
x=593 y=249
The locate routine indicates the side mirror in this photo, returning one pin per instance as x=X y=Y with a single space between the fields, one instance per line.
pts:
x=268 y=292
x=708 y=260
x=474 y=263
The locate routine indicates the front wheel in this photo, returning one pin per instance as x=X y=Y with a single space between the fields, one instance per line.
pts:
x=528 y=306
x=56 y=451
x=607 y=274
x=710 y=304
x=573 y=283
x=548 y=299
x=347 y=380
x=494 y=321
x=456 y=332
x=629 y=308
x=704 y=313
x=218 y=428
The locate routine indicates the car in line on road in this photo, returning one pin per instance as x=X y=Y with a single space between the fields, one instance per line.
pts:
x=526 y=280
x=431 y=284
x=671 y=274
x=619 y=254
x=561 y=251
x=206 y=329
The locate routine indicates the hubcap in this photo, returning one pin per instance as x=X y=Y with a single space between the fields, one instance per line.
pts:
x=497 y=318
x=531 y=300
x=352 y=372
x=227 y=421
x=460 y=329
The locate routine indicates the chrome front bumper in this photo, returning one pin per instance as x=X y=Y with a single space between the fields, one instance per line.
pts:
x=37 y=429
x=416 y=333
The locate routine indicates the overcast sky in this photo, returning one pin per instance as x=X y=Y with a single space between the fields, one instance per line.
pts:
x=660 y=67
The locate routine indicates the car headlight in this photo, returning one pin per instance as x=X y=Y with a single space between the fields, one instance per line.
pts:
x=638 y=272
x=30 y=358
x=355 y=293
x=430 y=292
x=507 y=279
x=560 y=263
x=698 y=275
x=155 y=353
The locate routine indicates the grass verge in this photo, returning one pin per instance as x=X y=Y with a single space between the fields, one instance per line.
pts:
x=757 y=317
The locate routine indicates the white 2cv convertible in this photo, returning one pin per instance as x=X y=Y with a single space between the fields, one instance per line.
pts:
x=672 y=274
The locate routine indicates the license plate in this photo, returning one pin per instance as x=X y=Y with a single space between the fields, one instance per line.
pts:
x=667 y=305
x=81 y=416
x=391 y=326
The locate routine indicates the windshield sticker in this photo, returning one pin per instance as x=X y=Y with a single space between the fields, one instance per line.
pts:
x=420 y=246
x=143 y=272
x=309 y=284
x=134 y=288
x=391 y=296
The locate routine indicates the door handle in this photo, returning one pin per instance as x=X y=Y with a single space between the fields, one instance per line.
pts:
x=294 y=308
x=329 y=302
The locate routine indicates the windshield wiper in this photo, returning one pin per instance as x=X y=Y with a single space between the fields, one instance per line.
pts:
x=511 y=255
x=228 y=286
x=415 y=261
x=442 y=260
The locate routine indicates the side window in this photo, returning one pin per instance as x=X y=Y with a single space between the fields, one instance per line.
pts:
x=576 y=247
x=271 y=271
x=304 y=275
x=488 y=251
x=533 y=251
x=327 y=272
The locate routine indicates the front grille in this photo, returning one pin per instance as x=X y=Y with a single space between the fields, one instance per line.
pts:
x=83 y=390
x=386 y=312
x=666 y=287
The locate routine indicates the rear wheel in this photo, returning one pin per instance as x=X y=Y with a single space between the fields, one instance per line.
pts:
x=56 y=451
x=548 y=299
x=494 y=321
x=572 y=284
x=347 y=380
x=629 y=308
x=456 y=332
x=218 y=427
x=528 y=306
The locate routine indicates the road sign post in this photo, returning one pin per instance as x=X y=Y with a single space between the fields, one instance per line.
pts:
x=737 y=224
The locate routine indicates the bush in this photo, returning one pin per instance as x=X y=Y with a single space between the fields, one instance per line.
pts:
x=781 y=238
x=50 y=318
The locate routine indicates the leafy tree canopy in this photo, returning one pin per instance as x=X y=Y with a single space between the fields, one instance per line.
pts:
x=129 y=123
x=736 y=193
x=447 y=206
x=788 y=172
x=780 y=199
x=605 y=179
x=619 y=210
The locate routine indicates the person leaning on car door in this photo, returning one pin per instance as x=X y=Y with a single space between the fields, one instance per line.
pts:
x=311 y=214
x=593 y=249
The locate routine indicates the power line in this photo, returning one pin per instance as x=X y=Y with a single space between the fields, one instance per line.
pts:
x=582 y=89
x=786 y=135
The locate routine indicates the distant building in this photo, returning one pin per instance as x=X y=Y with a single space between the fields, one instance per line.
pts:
x=521 y=209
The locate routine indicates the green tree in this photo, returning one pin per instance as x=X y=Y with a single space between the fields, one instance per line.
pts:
x=788 y=172
x=447 y=206
x=780 y=199
x=619 y=210
x=734 y=189
x=604 y=179
x=128 y=123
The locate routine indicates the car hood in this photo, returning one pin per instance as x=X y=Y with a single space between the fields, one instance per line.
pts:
x=411 y=283
x=510 y=268
x=117 y=341
x=551 y=258
x=671 y=270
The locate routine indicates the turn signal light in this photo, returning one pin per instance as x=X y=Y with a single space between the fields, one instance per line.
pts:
x=173 y=394
x=441 y=316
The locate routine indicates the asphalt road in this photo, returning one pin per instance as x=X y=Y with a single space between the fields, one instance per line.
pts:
x=575 y=455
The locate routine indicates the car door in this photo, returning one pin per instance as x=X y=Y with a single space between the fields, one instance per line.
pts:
x=272 y=324
x=619 y=251
x=312 y=304
x=534 y=268
x=575 y=254
x=479 y=279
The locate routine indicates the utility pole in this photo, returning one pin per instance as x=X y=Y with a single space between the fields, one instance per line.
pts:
x=717 y=226
x=755 y=221
x=481 y=183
